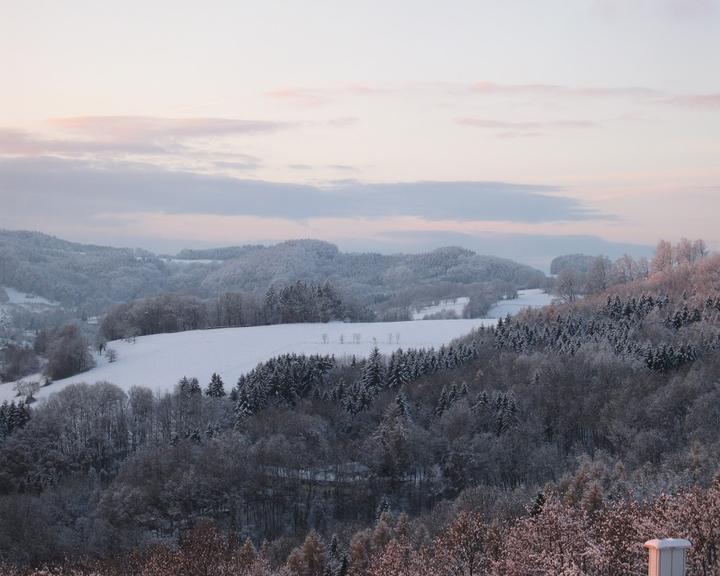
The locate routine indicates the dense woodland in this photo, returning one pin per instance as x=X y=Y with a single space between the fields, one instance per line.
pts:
x=297 y=302
x=554 y=444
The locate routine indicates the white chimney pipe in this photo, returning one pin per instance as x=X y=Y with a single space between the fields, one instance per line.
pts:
x=667 y=556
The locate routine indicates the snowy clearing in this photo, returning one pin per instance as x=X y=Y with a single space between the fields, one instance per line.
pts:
x=532 y=298
x=23 y=298
x=456 y=306
x=159 y=361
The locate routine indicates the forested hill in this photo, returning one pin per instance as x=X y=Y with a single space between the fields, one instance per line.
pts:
x=666 y=320
x=594 y=424
x=92 y=278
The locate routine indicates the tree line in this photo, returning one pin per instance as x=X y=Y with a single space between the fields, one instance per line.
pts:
x=293 y=303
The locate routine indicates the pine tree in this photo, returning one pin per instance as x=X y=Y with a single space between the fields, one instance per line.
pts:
x=4 y=428
x=402 y=405
x=373 y=373
x=17 y=416
x=539 y=503
x=189 y=387
x=398 y=371
x=272 y=306
x=243 y=407
x=194 y=387
x=442 y=404
x=183 y=386
x=216 y=388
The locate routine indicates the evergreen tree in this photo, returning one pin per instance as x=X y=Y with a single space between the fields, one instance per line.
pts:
x=398 y=371
x=442 y=404
x=216 y=388
x=271 y=307
x=243 y=407
x=401 y=404
x=193 y=388
x=4 y=413
x=538 y=505
x=373 y=373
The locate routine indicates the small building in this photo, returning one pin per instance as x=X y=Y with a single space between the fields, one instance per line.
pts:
x=668 y=556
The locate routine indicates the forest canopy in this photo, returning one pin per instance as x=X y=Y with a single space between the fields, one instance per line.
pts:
x=588 y=423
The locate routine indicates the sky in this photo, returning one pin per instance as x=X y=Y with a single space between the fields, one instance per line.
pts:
x=521 y=128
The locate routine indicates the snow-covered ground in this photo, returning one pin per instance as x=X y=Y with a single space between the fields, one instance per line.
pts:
x=190 y=261
x=23 y=298
x=532 y=298
x=20 y=300
x=456 y=305
x=160 y=360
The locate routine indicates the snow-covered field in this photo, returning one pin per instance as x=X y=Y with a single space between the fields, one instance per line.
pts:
x=23 y=298
x=456 y=305
x=160 y=360
x=189 y=261
x=20 y=300
x=533 y=298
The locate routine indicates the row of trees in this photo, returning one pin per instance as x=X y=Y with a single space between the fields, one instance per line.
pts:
x=287 y=379
x=582 y=274
x=298 y=302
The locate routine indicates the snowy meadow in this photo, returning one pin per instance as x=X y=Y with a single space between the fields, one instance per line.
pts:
x=158 y=361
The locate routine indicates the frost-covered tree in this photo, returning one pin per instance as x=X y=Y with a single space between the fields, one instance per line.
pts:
x=663 y=259
x=373 y=373
x=398 y=372
x=67 y=353
x=243 y=406
x=216 y=387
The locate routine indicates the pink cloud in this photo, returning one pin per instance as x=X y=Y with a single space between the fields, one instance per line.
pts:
x=524 y=125
x=20 y=143
x=309 y=96
x=524 y=129
x=302 y=96
x=306 y=96
x=695 y=100
x=133 y=128
x=485 y=87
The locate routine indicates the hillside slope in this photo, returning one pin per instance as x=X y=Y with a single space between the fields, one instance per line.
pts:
x=91 y=278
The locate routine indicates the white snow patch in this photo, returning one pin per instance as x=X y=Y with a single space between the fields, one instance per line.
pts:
x=159 y=361
x=456 y=305
x=190 y=261
x=25 y=298
x=532 y=298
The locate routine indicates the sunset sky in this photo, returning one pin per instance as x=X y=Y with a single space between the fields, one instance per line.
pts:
x=507 y=127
